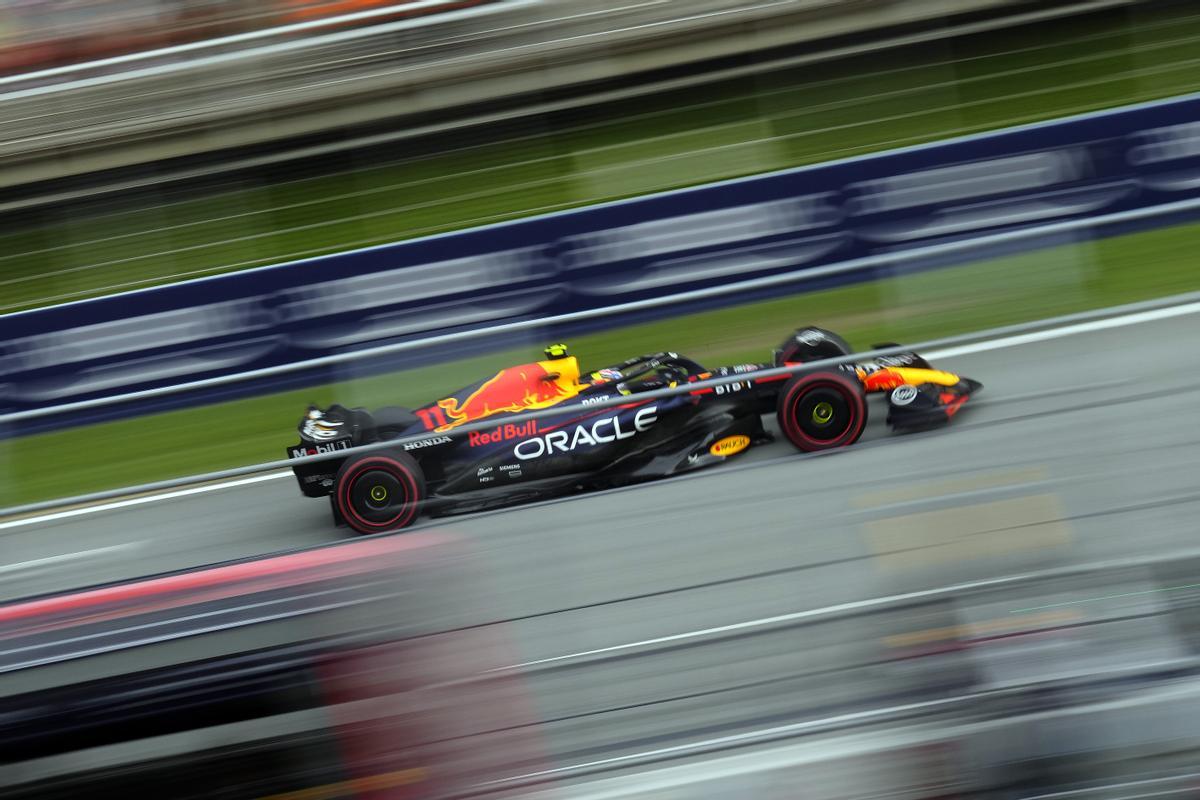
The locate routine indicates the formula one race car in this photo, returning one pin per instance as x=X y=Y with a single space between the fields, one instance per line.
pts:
x=520 y=459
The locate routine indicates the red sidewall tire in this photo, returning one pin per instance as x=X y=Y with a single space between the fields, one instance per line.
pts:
x=398 y=467
x=834 y=385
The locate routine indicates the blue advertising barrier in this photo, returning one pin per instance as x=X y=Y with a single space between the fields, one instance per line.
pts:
x=1098 y=164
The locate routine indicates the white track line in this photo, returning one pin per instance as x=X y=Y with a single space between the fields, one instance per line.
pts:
x=41 y=562
x=137 y=501
x=734 y=739
x=638 y=784
x=1122 y=321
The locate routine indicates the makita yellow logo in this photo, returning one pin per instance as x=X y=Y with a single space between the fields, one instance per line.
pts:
x=730 y=445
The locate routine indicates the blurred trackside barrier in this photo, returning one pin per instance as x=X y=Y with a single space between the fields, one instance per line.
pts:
x=985 y=678
x=376 y=633
x=307 y=77
x=39 y=41
x=737 y=241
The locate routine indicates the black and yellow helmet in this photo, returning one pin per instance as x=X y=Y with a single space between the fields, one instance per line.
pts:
x=556 y=351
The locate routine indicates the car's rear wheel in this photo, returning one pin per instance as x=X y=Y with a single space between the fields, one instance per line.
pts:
x=377 y=492
x=822 y=410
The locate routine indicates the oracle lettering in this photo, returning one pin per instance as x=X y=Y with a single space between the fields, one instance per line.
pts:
x=585 y=436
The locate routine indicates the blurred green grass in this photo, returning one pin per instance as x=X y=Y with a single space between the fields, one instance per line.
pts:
x=621 y=149
x=974 y=296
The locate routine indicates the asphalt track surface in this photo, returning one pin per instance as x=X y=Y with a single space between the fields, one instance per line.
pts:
x=1081 y=448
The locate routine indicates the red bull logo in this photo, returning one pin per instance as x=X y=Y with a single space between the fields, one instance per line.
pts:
x=523 y=388
x=503 y=433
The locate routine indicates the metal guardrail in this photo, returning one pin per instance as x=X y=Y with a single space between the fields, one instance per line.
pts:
x=395 y=56
x=245 y=80
x=168 y=57
x=445 y=61
x=1189 y=302
x=641 y=89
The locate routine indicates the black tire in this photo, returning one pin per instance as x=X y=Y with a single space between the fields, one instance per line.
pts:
x=378 y=492
x=822 y=410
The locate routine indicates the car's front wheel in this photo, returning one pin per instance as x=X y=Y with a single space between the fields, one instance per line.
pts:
x=377 y=492
x=822 y=410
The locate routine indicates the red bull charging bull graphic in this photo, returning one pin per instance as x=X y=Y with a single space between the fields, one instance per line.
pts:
x=522 y=388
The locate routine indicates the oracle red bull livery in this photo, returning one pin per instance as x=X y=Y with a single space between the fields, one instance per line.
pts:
x=587 y=446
